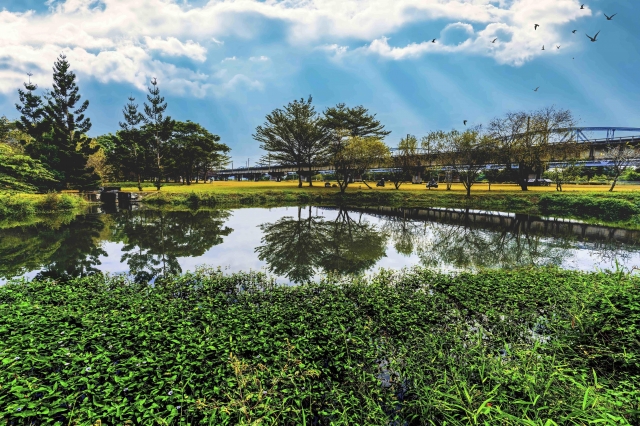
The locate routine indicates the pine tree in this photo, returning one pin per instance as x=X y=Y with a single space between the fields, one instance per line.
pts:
x=158 y=125
x=68 y=129
x=31 y=110
x=132 y=144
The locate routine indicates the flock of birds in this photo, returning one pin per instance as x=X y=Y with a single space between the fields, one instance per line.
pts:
x=535 y=27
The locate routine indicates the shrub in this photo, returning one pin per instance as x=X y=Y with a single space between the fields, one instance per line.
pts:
x=588 y=206
x=16 y=206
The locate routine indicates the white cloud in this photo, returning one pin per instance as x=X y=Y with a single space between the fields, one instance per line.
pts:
x=336 y=49
x=230 y=58
x=243 y=80
x=259 y=58
x=112 y=39
x=173 y=47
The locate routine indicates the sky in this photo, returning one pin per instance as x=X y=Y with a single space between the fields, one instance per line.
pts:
x=227 y=63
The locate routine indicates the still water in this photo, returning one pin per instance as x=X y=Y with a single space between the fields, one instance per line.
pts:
x=295 y=244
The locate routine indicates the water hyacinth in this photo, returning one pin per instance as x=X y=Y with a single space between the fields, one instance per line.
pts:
x=419 y=343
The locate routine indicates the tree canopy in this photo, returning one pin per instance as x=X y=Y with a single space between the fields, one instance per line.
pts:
x=294 y=136
x=356 y=121
x=58 y=129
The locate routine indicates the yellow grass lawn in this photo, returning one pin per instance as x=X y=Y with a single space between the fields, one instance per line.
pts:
x=479 y=188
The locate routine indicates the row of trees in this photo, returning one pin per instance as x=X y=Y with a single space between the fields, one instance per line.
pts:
x=150 y=146
x=298 y=136
x=48 y=147
x=351 y=139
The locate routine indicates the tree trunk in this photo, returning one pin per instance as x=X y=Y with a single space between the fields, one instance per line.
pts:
x=310 y=176
x=613 y=184
x=468 y=190
x=139 y=184
x=299 y=178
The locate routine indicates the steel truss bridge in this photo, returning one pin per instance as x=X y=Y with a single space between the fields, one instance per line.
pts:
x=582 y=135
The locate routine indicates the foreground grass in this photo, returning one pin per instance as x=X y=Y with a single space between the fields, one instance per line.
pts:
x=530 y=347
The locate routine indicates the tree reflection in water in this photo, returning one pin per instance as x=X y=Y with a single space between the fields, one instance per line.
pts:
x=155 y=239
x=62 y=246
x=298 y=248
x=460 y=241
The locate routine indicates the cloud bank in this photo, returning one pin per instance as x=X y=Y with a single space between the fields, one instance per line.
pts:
x=131 y=41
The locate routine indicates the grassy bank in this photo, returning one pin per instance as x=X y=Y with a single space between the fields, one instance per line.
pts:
x=618 y=208
x=22 y=206
x=530 y=347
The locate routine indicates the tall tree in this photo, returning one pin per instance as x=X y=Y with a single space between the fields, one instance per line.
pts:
x=621 y=158
x=353 y=156
x=527 y=139
x=405 y=161
x=132 y=146
x=356 y=121
x=158 y=126
x=193 y=146
x=294 y=136
x=59 y=128
x=31 y=110
x=467 y=153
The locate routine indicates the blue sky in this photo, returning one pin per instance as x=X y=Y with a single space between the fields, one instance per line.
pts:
x=227 y=63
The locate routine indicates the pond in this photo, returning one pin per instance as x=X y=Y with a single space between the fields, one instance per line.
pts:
x=296 y=244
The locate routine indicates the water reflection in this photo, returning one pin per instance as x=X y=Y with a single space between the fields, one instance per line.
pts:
x=471 y=240
x=299 y=248
x=61 y=248
x=298 y=244
x=153 y=240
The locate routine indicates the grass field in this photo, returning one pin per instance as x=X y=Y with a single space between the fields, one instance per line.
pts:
x=255 y=187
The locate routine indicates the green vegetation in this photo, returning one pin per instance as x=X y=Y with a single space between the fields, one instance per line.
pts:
x=530 y=347
x=623 y=208
x=21 y=206
x=57 y=130
x=611 y=209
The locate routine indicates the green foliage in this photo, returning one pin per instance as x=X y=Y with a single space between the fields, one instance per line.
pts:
x=356 y=121
x=193 y=149
x=294 y=136
x=631 y=175
x=58 y=130
x=530 y=347
x=19 y=172
x=16 y=206
x=598 y=207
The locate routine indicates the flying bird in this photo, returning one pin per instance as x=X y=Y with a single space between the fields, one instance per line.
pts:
x=433 y=41
x=558 y=47
x=465 y=122
x=609 y=17
x=574 y=31
x=535 y=26
x=536 y=89
x=582 y=6
x=593 y=39
x=494 y=40
x=543 y=47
